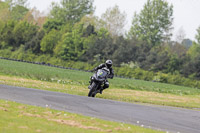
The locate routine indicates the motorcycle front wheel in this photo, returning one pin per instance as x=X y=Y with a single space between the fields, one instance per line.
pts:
x=92 y=92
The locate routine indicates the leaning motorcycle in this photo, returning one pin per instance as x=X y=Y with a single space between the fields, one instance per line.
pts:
x=97 y=81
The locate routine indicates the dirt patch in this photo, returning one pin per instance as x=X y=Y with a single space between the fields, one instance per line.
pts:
x=38 y=131
x=4 y=109
x=49 y=113
x=67 y=122
x=32 y=115
x=23 y=127
x=75 y=124
x=118 y=129
x=21 y=107
x=106 y=126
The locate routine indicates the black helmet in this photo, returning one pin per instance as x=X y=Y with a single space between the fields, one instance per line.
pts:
x=109 y=63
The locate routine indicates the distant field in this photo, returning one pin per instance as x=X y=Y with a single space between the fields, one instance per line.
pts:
x=76 y=82
x=66 y=76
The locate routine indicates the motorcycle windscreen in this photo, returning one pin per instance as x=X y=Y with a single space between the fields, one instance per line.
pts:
x=101 y=74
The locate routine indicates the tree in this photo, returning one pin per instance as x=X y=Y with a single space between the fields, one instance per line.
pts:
x=100 y=46
x=34 y=44
x=153 y=23
x=71 y=10
x=24 y=32
x=194 y=50
x=66 y=47
x=49 y=41
x=191 y=68
x=198 y=35
x=18 y=8
x=52 y=24
x=73 y=44
x=177 y=49
x=13 y=9
x=13 y=3
x=174 y=64
x=18 y=12
x=4 y=11
x=91 y=19
x=89 y=31
x=114 y=21
x=7 y=37
x=125 y=52
x=157 y=59
x=36 y=17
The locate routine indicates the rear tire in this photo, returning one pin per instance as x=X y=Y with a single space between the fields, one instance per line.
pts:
x=92 y=90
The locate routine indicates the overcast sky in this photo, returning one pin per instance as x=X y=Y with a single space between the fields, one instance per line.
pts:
x=186 y=12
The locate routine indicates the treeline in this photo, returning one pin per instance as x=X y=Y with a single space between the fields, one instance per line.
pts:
x=71 y=33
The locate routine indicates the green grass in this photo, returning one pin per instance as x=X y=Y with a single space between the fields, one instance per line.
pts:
x=20 y=118
x=51 y=74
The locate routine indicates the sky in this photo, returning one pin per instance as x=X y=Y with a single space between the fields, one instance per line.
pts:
x=186 y=12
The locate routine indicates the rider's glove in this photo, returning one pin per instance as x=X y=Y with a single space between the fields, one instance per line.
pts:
x=94 y=70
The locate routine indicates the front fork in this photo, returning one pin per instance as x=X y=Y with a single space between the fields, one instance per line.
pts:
x=91 y=81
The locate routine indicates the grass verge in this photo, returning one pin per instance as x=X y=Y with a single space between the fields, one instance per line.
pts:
x=51 y=74
x=20 y=118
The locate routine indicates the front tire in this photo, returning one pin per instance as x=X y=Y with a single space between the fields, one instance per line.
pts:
x=92 y=90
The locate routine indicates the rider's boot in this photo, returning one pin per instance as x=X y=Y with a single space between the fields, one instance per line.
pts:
x=101 y=90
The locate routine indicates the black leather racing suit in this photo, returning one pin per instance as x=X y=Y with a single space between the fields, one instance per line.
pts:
x=111 y=75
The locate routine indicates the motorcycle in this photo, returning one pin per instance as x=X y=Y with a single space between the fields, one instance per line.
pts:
x=97 y=81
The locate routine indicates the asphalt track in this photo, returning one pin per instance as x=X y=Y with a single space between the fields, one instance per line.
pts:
x=169 y=119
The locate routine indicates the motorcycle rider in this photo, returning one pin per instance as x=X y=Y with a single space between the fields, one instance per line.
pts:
x=107 y=64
